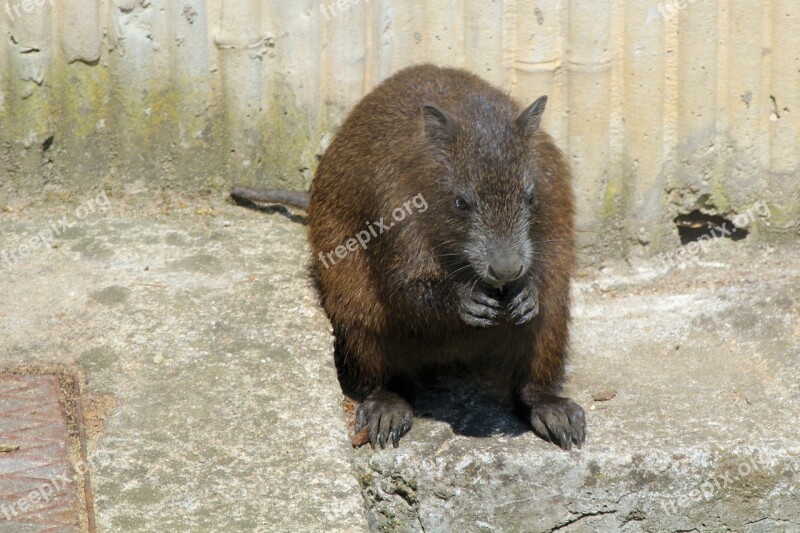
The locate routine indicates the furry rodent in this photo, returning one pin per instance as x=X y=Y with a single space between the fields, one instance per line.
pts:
x=479 y=278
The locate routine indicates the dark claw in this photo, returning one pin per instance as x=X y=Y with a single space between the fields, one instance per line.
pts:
x=566 y=440
x=361 y=421
x=520 y=298
x=527 y=317
x=482 y=311
x=388 y=428
x=538 y=427
x=577 y=421
x=405 y=428
x=486 y=300
x=373 y=433
x=479 y=309
x=524 y=306
x=479 y=322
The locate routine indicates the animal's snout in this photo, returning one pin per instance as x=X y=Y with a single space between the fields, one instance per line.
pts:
x=506 y=268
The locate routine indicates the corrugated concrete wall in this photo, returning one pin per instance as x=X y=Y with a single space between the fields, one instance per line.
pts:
x=663 y=108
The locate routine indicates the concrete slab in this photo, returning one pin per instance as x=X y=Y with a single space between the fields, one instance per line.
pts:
x=212 y=402
x=700 y=434
x=204 y=331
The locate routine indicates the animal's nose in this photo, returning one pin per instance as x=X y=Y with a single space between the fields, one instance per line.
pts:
x=506 y=268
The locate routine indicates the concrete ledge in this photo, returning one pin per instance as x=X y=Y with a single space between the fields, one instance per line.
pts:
x=699 y=436
x=199 y=327
x=204 y=329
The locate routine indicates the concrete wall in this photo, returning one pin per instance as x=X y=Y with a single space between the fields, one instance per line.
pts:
x=662 y=108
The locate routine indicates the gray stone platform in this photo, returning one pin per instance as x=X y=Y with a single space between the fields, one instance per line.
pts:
x=198 y=330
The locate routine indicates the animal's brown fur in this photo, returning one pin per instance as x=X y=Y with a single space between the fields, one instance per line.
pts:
x=395 y=306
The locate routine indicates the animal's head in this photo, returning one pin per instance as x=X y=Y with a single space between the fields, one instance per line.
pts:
x=488 y=186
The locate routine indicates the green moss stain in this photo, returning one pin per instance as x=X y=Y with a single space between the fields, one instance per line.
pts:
x=614 y=196
x=280 y=143
x=113 y=125
x=616 y=200
x=288 y=145
x=718 y=193
x=148 y=119
x=83 y=101
x=29 y=104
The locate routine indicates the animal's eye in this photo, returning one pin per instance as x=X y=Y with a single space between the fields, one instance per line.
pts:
x=462 y=204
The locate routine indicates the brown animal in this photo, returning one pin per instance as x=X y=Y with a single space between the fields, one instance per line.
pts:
x=441 y=222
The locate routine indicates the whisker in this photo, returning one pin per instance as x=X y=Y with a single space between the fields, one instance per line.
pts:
x=451 y=274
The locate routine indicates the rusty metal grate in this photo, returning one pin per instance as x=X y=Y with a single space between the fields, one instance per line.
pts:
x=40 y=486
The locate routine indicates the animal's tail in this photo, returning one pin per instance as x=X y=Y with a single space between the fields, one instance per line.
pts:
x=272 y=196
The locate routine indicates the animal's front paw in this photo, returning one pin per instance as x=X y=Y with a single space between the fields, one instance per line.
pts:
x=478 y=309
x=523 y=305
x=387 y=415
x=558 y=420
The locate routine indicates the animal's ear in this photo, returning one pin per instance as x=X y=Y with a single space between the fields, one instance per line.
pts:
x=440 y=126
x=530 y=119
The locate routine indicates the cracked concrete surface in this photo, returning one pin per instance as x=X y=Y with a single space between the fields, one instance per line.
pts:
x=201 y=325
x=701 y=433
x=206 y=331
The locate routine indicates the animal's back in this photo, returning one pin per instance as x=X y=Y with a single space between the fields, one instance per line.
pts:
x=383 y=133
